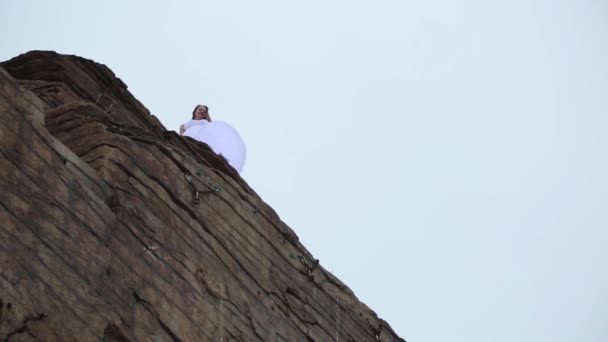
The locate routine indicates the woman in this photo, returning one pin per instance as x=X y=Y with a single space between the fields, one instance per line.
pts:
x=219 y=136
x=200 y=112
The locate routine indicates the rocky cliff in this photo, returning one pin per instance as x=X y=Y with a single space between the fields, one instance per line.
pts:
x=115 y=229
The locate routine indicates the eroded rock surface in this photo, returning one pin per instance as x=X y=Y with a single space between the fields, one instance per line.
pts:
x=103 y=236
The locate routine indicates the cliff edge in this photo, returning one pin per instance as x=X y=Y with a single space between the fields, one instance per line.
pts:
x=115 y=229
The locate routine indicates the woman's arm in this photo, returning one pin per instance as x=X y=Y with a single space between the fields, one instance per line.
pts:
x=181 y=130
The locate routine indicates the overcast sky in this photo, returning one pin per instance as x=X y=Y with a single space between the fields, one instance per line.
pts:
x=446 y=159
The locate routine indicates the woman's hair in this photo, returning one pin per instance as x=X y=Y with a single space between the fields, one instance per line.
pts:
x=206 y=110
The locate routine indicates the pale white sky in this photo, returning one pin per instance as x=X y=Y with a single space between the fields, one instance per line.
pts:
x=446 y=159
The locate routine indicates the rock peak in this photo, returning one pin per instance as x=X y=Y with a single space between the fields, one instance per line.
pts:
x=115 y=229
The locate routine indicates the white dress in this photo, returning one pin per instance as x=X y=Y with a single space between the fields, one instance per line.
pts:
x=221 y=138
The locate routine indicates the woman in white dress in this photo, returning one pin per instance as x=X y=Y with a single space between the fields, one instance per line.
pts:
x=200 y=112
x=219 y=136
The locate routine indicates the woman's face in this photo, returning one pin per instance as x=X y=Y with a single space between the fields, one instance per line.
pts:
x=201 y=113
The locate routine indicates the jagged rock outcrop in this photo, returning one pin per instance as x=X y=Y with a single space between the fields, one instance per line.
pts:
x=115 y=229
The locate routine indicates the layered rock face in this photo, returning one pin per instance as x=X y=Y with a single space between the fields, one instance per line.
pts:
x=115 y=229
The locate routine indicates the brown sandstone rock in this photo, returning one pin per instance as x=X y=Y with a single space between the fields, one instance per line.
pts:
x=101 y=238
